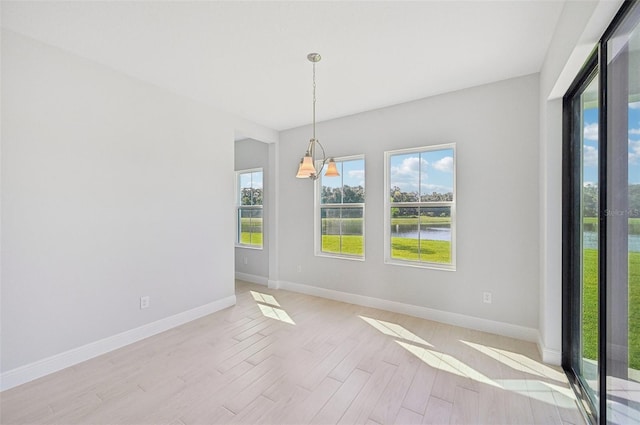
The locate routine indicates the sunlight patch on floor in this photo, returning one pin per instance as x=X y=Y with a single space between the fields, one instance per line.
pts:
x=269 y=307
x=541 y=391
x=276 y=313
x=264 y=298
x=394 y=330
x=537 y=388
x=565 y=391
x=518 y=361
x=447 y=363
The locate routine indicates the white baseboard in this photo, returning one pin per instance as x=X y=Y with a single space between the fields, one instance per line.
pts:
x=456 y=319
x=273 y=284
x=549 y=356
x=26 y=373
x=252 y=278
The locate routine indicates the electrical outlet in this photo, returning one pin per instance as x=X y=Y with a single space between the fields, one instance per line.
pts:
x=486 y=297
x=145 y=302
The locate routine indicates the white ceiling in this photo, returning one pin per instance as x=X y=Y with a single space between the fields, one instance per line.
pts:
x=249 y=58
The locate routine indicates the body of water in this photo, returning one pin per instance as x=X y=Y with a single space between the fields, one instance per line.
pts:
x=425 y=233
x=590 y=240
x=444 y=234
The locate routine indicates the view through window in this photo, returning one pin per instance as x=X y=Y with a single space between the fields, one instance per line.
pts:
x=420 y=213
x=249 y=208
x=341 y=209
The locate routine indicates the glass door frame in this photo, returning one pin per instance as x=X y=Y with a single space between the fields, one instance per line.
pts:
x=572 y=234
x=595 y=409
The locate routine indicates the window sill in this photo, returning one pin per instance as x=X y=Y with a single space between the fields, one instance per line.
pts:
x=339 y=257
x=418 y=265
x=258 y=248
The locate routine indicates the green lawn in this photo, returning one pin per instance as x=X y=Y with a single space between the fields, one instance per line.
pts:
x=401 y=248
x=590 y=307
x=251 y=231
x=251 y=238
x=590 y=304
x=634 y=310
x=247 y=222
x=351 y=244
x=430 y=252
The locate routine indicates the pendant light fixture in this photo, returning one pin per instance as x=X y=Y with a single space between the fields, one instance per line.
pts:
x=307 y=167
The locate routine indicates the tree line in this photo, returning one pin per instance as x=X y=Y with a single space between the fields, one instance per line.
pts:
x=397 y=195
x=342 y=195
x=251 y=196
x=355 y=194
x=590 y=207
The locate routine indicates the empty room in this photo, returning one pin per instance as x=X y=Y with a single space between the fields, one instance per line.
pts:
x=320 y=212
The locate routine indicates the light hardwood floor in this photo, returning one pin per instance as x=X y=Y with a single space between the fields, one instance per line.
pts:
x=279 y=357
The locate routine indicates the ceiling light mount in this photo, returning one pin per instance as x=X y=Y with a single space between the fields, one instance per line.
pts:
x=314 y=57
x=306 y=168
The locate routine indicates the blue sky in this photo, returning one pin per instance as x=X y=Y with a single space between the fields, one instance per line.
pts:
x=253 y=179
x=432 y=170
x=590 y=140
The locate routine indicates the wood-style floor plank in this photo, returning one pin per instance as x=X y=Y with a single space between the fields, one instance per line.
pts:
x=278 y=357
x=438 y=411
x=408 y=417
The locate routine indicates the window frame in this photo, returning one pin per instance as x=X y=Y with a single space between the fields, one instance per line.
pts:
x=240 y=207
x=318 y=213
x=388 y=259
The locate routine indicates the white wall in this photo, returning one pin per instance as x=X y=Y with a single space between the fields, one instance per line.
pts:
x=254 y=154
x=111 y=189
x=495 y=128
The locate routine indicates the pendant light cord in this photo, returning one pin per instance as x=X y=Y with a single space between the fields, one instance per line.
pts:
x=314 y=100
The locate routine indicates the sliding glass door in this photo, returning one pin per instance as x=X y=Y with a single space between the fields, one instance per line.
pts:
x=601 y=226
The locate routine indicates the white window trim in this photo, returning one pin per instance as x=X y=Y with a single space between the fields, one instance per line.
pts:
x=387 y=210
x=238 y=244
x=317 y=224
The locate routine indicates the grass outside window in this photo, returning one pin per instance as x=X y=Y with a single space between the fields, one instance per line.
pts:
x=590 y=313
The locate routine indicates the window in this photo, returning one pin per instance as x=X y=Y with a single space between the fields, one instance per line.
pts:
x=340 y=214
x=421 y=207
x=249 y=208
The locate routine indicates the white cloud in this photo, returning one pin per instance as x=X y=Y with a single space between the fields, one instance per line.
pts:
x=411 y=166
x=430 y=188
x=634 y=105
x=634 y=131
x=591 y=131
x=405 y=175
x=634 y=151
x=357 y=176
x=445 y=164
x=590 y=156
